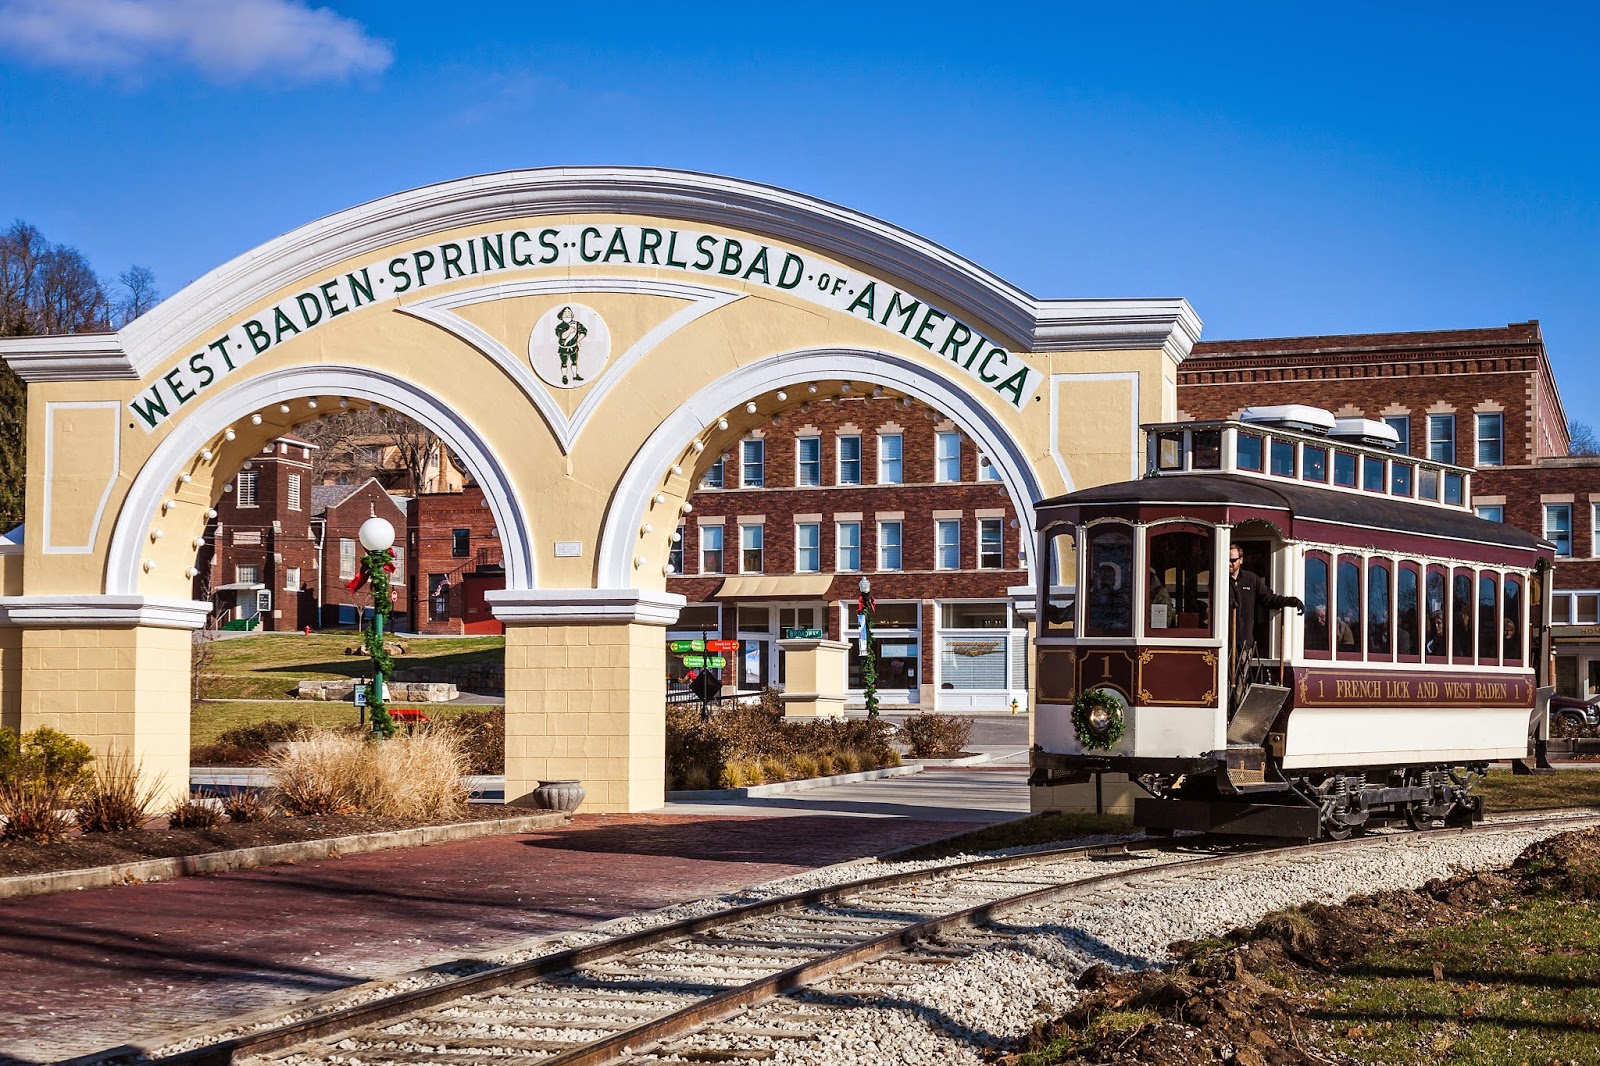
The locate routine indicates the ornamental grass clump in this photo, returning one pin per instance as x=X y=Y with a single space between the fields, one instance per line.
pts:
x=118 y=800
x=194 y=812
x=247 y=805
x=411 y=775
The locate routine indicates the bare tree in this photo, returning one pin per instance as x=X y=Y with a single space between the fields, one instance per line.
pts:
x=416 y=446
x=1583 y=439
x=137 y=294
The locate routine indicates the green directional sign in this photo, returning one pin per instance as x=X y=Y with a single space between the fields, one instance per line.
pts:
x=802 y=634
x=715 y=662
x=680 y=647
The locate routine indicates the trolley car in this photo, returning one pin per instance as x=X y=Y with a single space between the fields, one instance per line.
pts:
x=1419 y=657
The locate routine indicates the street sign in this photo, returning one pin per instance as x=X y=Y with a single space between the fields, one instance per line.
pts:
x=361 y=694
x=725 y=647
x=715 y=662
x=681 y=647
x=802 y=634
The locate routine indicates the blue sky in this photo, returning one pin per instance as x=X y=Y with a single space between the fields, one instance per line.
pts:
x=1288 y=168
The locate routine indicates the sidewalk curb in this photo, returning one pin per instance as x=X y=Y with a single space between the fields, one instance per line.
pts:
x=216 y=862
x=779 y=788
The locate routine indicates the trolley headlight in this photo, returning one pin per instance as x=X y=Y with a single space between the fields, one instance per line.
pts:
x=1099 y=720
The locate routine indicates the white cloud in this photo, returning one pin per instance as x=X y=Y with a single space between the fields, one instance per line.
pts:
x=226 y=40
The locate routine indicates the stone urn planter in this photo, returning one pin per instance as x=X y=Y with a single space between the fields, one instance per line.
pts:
x=564 y=795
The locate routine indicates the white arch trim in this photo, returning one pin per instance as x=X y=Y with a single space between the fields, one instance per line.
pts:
x=1027 y=322
x=645 y=474
x=155 y=480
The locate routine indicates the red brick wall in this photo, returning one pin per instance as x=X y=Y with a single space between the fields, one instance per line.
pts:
x=432 y=520
x=344 y=521
x=285 y=536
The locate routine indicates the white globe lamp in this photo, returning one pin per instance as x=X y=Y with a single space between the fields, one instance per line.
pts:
x=376 y=534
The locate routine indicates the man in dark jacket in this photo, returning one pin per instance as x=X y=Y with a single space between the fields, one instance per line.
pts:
x=1246 y=592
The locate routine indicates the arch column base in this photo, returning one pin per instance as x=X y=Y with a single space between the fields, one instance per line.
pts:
x=585 y=693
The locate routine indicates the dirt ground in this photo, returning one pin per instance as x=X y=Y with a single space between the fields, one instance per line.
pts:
x=84 y=850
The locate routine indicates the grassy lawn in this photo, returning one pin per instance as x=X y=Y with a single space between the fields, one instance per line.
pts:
x=1504 y=791
x=211 y=719
x=269 y=666
x=1518 y=985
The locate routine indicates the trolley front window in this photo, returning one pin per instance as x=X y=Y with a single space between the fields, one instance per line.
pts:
x=1109 y=603
x=1178 y=593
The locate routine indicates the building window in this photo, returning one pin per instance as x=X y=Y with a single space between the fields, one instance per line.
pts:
x=751 y=557
x=439 y=589
x=713 y=476
x=294 y=492
x=711 y=549
x=1401 y=424
x=991 y=551
x=675 y=553
x=399 y=560
x=891 y=455
x=1558 y=527
x=347 y=558
x=1442 y=438
x=753 y=468
x=1494 y=513
x=947 y=544
x=849 y=460
x=849 y=546
x=807 y=548
x=947 y=457
x=1491 y=440
x=889 y=545
x=246 y=484
x=460 y=542
x=987 y=471
x=291 y=578
x=808 y=461
x=247 y=573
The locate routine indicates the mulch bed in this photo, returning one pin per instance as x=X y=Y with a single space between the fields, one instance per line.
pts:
x=86 y=850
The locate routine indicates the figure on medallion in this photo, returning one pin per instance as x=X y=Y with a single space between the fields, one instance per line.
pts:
x=569 y=336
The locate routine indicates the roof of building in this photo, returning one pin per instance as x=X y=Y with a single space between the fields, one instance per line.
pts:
x=326 y=496
x=1420 y=340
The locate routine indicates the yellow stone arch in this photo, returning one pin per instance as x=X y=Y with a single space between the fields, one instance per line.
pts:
x=718 y=304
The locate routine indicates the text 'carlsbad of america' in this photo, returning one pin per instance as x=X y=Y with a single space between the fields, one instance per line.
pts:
x=808 y=276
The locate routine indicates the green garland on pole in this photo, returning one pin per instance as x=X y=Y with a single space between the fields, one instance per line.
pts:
x=376 y=565
x=1083 y=713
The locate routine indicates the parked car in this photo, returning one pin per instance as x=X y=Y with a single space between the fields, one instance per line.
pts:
x=1570 y=715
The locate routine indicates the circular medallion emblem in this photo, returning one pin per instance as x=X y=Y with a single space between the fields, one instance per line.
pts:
x=569 y=346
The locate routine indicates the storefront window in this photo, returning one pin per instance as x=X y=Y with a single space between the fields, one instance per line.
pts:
x=989 y=615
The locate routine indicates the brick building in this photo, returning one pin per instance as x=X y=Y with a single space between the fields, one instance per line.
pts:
x=1485 y=398
x=259 y=560
x=785 y=526
x=456 y=557
x=339 y=511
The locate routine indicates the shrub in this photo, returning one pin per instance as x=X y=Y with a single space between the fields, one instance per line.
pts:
x=248 y=745
x=193 y=813
x=415 y=775
x=482 y=736
x=34 y=810
x=747 y=745
x=247 y=805
x=46 y=755
x=118 y=800
x=935 y=736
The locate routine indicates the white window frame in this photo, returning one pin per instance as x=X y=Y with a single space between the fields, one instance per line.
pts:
x=1401 y=424
x=753 y=473
x=247 y=489
x=752 y=538
x=399 y=575
x=807 y=469
x=987 y=471
x=715 y=475
x=291 y=579
x=808 y=556
x=247 y=573
x=675 y=552
x=1497 y=438
x=718 y=533
x=347 y=558
x=1438 y=443
x=842 y=533
x=848 y=471
x=1550 y=532
x=947 y=457
x=998 y=525
x=1491 y=512
x=294 y=492
x=898 y=546
x=895 y=474
x=946 y=537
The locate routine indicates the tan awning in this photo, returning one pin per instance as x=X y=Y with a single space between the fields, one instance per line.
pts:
x=785 y=586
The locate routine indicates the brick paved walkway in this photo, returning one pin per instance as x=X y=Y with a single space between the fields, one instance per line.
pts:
x=93 y=969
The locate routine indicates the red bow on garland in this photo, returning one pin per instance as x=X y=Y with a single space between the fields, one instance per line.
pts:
x=866 y=603
x=361 y=577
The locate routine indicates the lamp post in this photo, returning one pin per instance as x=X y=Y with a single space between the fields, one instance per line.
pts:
x=869 y=653
x=377 y=537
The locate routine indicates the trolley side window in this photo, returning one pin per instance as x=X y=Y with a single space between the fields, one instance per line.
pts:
x=1283 y=457
x=1348 y=591
x=1436 y=643
x=1400 y=479
x=1207 y=444
x=1316 y=626
x=1408 y=614
x=1371 y=473
x=1427 y=483
x=1378 y=646
x=1178 y=593
x=1249 y=451
x=1344 y=469
x=1109 y=604
x=1490 y=635
x=1314 y=463
x=1060 y=580
x=1513 y=623
x=1461 y=617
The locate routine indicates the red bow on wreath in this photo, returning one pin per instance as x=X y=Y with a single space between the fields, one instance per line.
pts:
x=866 y=603
x=361 y=577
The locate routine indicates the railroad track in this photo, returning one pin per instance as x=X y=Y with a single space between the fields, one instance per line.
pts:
x=675 y=993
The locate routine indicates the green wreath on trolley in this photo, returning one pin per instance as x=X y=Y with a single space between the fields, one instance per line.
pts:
x=1097 y=719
